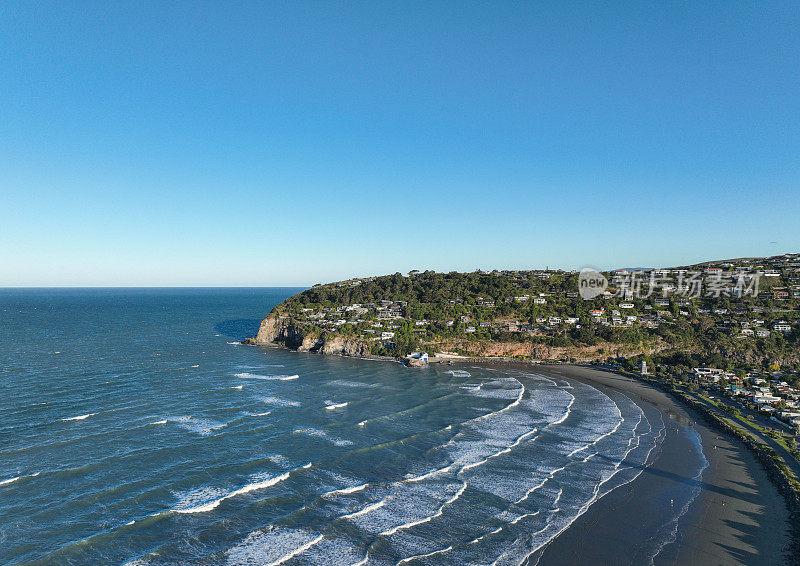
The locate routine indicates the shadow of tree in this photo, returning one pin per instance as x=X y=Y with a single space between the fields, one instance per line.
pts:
x=747 y=496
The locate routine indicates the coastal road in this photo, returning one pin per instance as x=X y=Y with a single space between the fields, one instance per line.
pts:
x=784 y=454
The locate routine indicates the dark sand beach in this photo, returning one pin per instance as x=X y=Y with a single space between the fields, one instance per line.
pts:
x=738 y=517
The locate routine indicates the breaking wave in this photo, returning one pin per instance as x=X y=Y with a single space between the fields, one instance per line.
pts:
x=79 y=417
x=215 y=499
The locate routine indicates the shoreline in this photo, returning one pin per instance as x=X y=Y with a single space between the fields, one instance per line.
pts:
x=738 y=517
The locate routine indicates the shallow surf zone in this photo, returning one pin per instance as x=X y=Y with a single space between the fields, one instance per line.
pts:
x=495 y=491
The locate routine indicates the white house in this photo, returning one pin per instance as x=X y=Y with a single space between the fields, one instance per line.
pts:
x=782 y=326
x=710 y=374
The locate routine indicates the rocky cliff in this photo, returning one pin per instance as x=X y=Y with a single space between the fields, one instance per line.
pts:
x=284 y=330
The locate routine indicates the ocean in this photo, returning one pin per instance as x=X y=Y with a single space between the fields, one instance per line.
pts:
x=135 y=429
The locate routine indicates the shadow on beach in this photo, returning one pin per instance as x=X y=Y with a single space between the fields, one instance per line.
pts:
x=748 y=496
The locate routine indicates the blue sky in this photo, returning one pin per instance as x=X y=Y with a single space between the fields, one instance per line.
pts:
x=154 y=143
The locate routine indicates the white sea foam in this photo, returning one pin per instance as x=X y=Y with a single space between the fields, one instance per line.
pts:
x=499 y=423
x=365 y=510
x=332 y=406
x=214 y=503
x=247 y=375
x=522 y=550
x=345 y=383
x=79 y=417
x=510 y=406
x=480 y=538
x=271 y=547
x=427 y=475
x=314 y=432
x=538 y=486
x=279 y=459
x=346 y=490
x=459 y=373
x=198 y=500
x=159 y=422
x=12 y=480
x=467 y=460
x=555 y=471
x=199 y=425
x=505 y=450
x=277 y=401
x=299 y=550
x=234 y=343
x=428 y=555
x=259 y=414
x=428 y=518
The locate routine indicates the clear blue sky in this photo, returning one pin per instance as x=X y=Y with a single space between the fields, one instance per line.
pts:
x=210 y=143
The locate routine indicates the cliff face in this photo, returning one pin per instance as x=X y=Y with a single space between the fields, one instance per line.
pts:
x=489 y=348
x=284 y=330
x=277 y=329
x=345 y=347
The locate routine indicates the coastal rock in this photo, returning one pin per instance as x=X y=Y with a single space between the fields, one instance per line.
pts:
x=276 y=329
x=284 y=330
x=416 y=362
x=344 y=347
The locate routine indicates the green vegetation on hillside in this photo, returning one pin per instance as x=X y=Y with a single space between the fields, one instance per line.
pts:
x=513 y=312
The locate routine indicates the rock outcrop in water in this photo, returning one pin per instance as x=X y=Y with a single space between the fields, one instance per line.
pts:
x=283 y=330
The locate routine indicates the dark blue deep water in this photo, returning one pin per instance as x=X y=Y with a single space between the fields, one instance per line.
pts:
x=135 y=429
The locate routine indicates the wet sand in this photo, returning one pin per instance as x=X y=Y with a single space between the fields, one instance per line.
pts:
x=739 y=517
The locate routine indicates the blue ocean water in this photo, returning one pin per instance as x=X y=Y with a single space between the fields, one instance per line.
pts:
x=134 y=428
